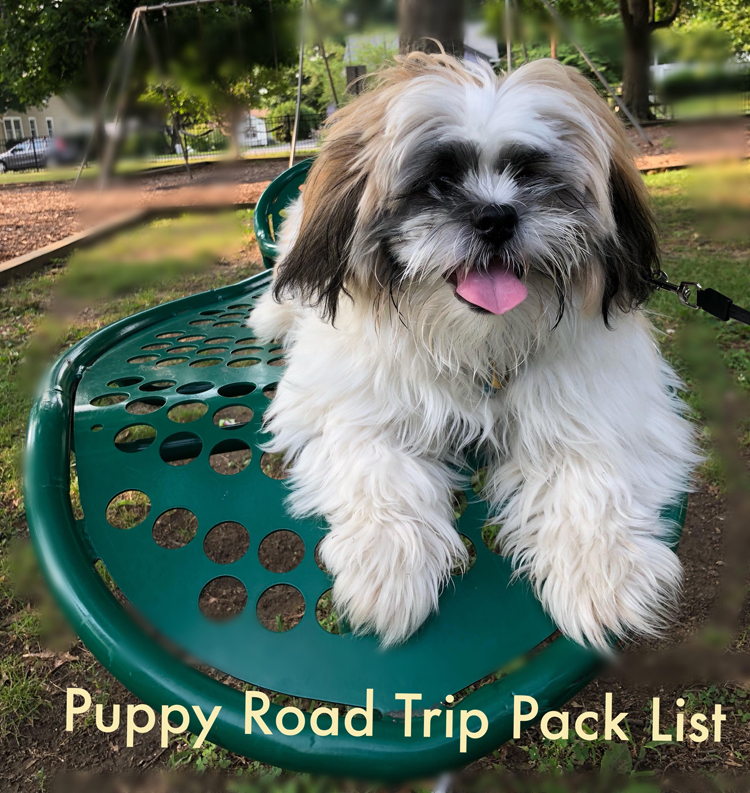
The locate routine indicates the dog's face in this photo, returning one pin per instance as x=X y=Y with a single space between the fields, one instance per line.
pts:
x=450 y=191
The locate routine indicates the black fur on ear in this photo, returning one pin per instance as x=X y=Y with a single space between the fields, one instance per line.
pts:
x=316 y=267
x=631 y=257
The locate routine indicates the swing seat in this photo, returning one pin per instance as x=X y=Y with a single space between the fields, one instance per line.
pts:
x=110 y=401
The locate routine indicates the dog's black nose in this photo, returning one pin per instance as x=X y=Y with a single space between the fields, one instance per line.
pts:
x=496 y=222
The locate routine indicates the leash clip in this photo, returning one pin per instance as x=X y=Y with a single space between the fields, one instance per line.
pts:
x=683 y=290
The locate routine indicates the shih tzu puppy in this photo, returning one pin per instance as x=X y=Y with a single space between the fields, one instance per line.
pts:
x=463 y=271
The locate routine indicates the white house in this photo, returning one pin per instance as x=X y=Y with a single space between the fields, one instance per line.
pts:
x=57 y=116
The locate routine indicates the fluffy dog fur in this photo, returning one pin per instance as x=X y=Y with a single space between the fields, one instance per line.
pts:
x=389 y=372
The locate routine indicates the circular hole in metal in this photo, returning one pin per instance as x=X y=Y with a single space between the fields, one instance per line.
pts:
x=145 y=405
x=143 y=359
x=212 y=350
x=240 y=305
x=489 y=537
x=172 y=334
x=273 y=466
x=232 y=314
x=195 y=388
x=96 y=428
x=469 y=545
x=108 y=399
x=124 y=382
x=157 y=385
x=270 y=390
x=159 y=346
x=232 y=416
x=181 y=448
x=247 y=340
x=280 y=608
x=211 y=313
x=204 y=363
x=229 y=457
x=226 y=543
x=242 y=363
x=185 y=412
x=277 y=362
x=222 y=599
x=246 y=350
x=135 y=438
x=201 y=322
x=460 y=502
x=277 y=348
x=478 y=480
x=281 y=551
x=234 y=390
x=325 y=614
x=175 y=528
x=196 y=337
x=219 y=340
x=228 y=324
x=128 y=509
x=318 y=558
x=183 y=348
x=176 y=361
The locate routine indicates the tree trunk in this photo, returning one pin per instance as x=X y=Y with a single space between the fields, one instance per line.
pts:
x=638 y=22
x=421 y=20
x=635 y=79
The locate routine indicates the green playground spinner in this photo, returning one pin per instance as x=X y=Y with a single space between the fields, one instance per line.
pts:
x=198 y=350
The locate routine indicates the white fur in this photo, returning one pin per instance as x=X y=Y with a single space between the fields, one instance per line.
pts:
x=586 y=443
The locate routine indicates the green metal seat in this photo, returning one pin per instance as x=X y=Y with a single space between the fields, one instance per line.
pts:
x=96 y=401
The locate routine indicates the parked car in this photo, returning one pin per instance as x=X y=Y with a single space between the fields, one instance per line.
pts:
x=37 y=153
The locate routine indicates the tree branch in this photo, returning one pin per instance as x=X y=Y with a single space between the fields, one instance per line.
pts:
x=668 y=20
x=627 y=17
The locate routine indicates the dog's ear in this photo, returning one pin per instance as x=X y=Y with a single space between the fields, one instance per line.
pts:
x=316 y=267
x=631 y=255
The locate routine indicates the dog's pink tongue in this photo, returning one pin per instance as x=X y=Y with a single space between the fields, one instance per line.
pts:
x=496 y=289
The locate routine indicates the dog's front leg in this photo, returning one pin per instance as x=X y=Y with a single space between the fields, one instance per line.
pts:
x=392 y=542
x=598 y=449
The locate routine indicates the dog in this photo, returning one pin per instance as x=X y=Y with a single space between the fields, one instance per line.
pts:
x=464 y=270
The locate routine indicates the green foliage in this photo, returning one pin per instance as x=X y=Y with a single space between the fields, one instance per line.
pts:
x=208 y=757
x=281 y=120
x=53 y=47
x=711 y=82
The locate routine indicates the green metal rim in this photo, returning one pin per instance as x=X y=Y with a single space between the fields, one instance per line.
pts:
x=268 y=247
x=158 y=678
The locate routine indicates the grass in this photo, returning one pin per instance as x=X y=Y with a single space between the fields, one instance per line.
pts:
x=705 y=231
x=21 y=696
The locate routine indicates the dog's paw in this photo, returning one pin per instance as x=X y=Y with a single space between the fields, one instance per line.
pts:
x=627 y=589
x=391 y=584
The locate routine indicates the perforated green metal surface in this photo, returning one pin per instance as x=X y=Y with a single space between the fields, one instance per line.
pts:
x=484 y=622
x=198 y=350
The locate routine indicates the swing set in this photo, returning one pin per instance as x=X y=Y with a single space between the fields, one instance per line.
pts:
x=122 y=69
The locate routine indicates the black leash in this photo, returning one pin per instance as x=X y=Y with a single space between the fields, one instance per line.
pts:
x=709 y=300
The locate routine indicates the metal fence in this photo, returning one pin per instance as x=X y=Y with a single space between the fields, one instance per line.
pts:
x=666 y=108
x=23 y=154
x=253 y=136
